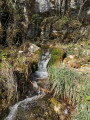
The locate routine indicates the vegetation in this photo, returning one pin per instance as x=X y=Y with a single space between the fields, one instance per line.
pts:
x=56 y=56
x=74 y=86
x=66 y=23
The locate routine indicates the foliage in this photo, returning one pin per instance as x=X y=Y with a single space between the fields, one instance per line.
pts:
x=68 y=83
x=88 y=98
x=63 y=79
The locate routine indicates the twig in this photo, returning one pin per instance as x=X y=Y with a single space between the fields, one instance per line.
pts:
x=45 y=90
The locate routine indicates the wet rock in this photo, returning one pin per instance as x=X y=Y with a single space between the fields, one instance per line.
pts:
x=40 y=109
x=46 y=27
x=60 y=108
x=61 y=29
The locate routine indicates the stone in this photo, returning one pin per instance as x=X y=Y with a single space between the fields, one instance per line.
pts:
x=72 y=61
x=29 y=48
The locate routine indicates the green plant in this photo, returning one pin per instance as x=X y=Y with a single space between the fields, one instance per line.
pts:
x=3 y=55
x=63 y=80
x=68 y=83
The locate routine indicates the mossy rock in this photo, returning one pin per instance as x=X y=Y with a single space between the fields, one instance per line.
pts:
x=61 y=23
x=75 y=24
x=36 y=18
x=49 y=20
x=74 y=37
x=56 y=56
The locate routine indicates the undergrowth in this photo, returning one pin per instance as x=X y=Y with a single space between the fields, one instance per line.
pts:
x=68 y=83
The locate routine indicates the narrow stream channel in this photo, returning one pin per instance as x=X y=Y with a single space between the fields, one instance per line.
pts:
x=40 y=74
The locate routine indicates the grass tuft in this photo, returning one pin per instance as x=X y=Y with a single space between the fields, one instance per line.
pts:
x=74 y=86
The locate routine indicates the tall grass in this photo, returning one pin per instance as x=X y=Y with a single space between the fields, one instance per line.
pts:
x=68 y=83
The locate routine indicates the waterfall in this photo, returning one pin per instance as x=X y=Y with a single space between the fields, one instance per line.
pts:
x=42 y=73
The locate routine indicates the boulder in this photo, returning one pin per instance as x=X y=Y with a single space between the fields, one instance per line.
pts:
x=29 y=48
x=72 y=61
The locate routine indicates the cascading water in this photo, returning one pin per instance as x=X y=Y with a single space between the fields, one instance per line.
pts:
x=13 y=109
x=40 y=73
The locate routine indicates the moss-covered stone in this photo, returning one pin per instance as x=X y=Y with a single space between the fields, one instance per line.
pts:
x=56 y=56
x=61 y=23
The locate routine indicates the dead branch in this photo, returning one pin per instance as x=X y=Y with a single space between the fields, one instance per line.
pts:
x=45 y=90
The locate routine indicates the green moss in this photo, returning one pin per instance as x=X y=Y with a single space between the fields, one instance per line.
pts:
x=36 y=18
x=47 y=20
x=61 y=23
x=63 y=20
x=56 y=56
x=75 y=23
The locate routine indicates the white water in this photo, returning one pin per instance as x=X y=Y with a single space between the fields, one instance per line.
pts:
x=14 y=108
x=42 y=73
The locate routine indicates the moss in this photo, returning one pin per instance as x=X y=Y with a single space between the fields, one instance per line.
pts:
x=56 y=56
x=49 y=20
x=63 y=20
x=36 y=18
x=75 y=23
x=61 y=23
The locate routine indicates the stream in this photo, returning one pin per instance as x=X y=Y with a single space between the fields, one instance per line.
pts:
x=39 y=75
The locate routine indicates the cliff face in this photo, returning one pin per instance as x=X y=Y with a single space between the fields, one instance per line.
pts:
x=18 y=26
x=14 y=19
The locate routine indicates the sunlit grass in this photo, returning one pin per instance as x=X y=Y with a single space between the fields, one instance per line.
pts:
x=68 y=83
